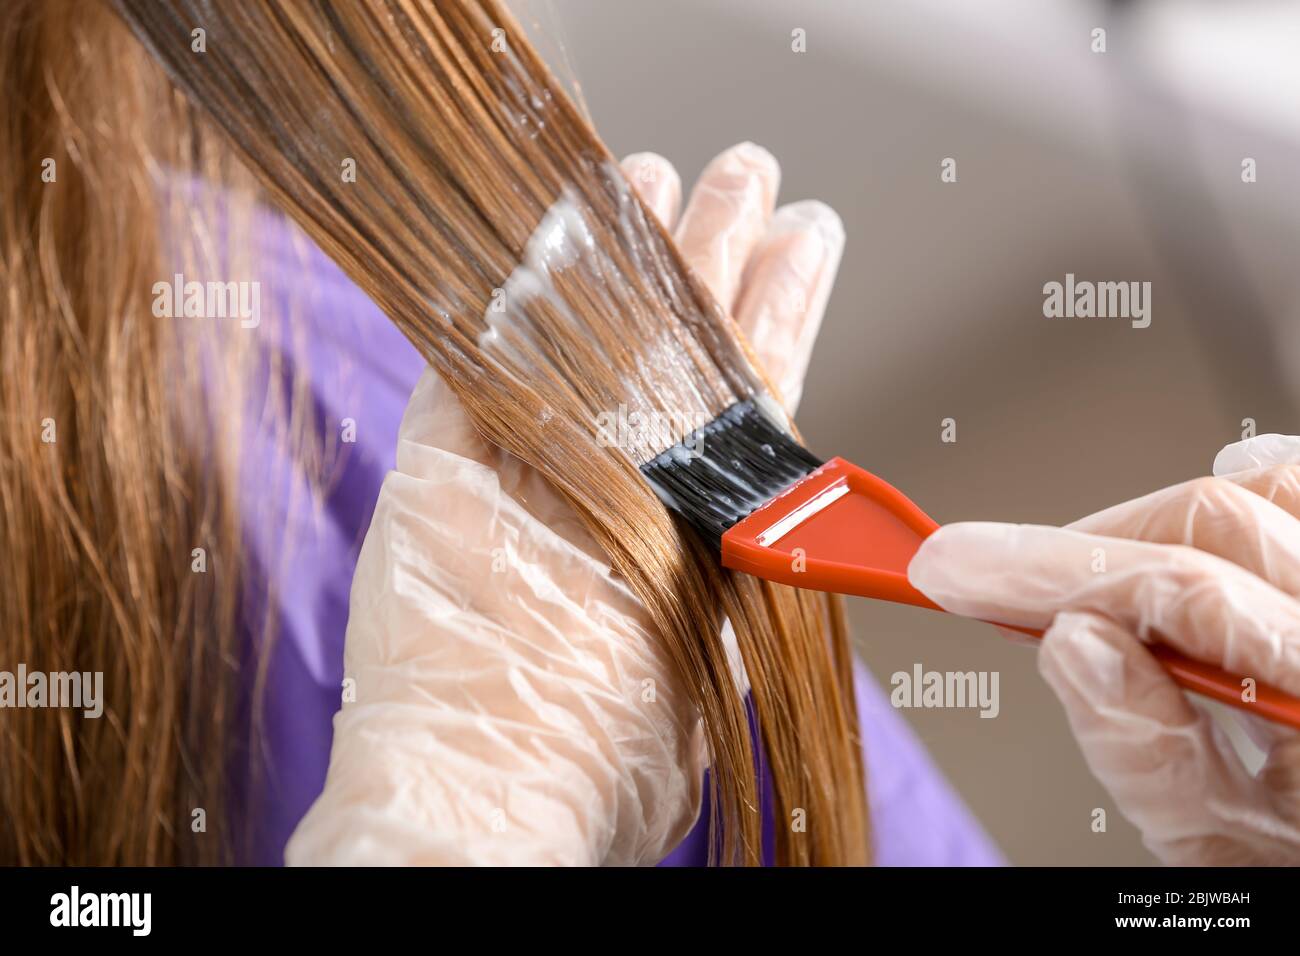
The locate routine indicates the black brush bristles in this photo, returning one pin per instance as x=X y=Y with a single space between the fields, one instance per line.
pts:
x=722 y=472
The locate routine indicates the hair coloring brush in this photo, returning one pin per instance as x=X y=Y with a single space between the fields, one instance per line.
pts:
x=776 y=511
x=598 y=309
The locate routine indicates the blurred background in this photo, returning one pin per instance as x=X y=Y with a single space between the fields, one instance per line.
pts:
x=1116 y=166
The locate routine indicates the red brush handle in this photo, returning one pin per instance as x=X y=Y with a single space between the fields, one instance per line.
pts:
x=1214 y=682
x=842 y=529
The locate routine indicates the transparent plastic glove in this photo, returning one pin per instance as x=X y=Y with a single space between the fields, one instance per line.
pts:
x=1211 y=567
x=773 y=272
x=511 y=705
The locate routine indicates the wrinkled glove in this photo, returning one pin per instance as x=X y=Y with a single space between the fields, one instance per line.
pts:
x=1210 y=567
x=511 y=703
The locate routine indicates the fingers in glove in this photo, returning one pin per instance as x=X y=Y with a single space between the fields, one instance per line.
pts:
x=1170 y=770
x=786 y=286
x=1279 y=484
x=1214 y=515
x=657 y=183
x=1253 y=454
x=1204 y=606
x=727 y=215
x=1268 y=465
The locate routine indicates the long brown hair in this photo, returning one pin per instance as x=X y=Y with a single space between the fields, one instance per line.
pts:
x=112 y=493
x=462 y=143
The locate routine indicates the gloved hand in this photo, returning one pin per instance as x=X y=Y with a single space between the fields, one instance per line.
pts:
x=511 y=704
x=1211 y=567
